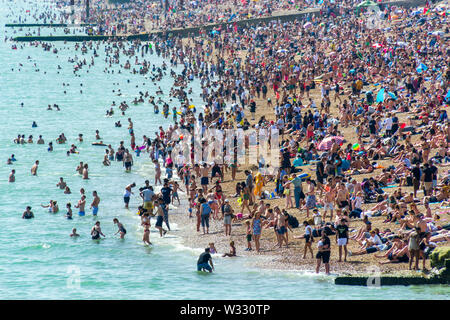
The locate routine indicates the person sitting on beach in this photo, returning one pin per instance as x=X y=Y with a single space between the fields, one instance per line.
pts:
x=398 y=253
x=371 y=245
x=232 y=252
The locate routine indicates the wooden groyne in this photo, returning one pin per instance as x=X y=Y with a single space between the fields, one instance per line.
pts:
x=48 y=25
x=185 y=32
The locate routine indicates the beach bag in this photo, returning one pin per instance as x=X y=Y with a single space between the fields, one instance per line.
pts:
x=293 y=222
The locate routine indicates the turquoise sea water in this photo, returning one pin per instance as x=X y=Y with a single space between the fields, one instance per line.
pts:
x=38 y=260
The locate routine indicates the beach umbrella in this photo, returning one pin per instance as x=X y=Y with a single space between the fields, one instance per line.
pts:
x=447 y=97
x=380 y=95
x=327 y=143
x=421 y=68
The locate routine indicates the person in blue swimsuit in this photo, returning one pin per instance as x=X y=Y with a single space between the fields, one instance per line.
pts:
x=256 y=226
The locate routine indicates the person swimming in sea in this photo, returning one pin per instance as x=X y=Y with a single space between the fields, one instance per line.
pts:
x=74 y=233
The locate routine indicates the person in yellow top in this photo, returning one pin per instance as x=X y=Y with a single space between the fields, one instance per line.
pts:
x=359 y=85
x=259 y=183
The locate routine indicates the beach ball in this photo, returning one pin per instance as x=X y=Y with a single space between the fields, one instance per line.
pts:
x=181 y=137
x=402 y=125
x=356 y=147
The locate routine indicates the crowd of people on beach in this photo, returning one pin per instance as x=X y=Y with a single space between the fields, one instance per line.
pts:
x=358 y=103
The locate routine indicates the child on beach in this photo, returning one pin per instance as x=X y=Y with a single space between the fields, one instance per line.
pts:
x=212 y=248
x=249 y=235
x=232 y=251
x=146 y=236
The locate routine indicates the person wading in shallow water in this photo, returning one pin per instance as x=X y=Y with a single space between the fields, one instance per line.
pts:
x=205 y=261
x=324 y=253
x=96 y=231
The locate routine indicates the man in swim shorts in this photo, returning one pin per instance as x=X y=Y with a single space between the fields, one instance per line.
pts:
x=342 y=238
x=80 y=205
x=95 y=202
x=204 y=261
x=204 y=179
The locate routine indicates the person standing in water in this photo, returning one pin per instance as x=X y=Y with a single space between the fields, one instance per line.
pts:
x=28 y=214
x=61 y=184
x=12 y=177
x=160 y=217
x=121 y=228
x=324 y=253
x=85 y=171
x=95 y=202
x=157 y=172
x=69 y=211
x=146 y=224
x=80 y=205
x=127 y=194
x=96 y=231
x=34 y=168
x=127 y=160
x=79 y=168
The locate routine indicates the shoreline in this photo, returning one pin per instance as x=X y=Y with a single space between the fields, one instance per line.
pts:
x=269 y=259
